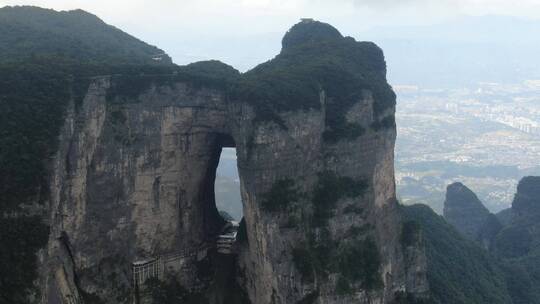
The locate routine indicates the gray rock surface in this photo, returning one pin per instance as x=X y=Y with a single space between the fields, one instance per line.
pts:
x=133 y=181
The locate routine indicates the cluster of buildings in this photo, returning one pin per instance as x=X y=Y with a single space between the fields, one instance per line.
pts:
x=493 y=126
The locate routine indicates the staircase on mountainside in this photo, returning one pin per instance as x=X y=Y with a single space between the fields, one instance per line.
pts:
x=155 y=267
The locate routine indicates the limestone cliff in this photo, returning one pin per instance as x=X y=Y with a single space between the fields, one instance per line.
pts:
x=520 y=237
x=464 y=211
x=132 y=182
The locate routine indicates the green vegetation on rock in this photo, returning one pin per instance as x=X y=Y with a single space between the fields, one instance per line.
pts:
x=388 y=122
x=329 y=190
x=355 y=258
x=282 y=194
x=46 y=60
x=356 y=261
x=408 y=298
x=310 y=298
x=31 y=32
x=360 y=262
x=513 y=243
x=518 y=243
x=20 y=238
x=241 y=236
x=459 y=271
x=304 y=262
x=171 y=292
x=410 y=233
x=133 y=81
x=316 y=58
x=343 y=286
x=316 y=257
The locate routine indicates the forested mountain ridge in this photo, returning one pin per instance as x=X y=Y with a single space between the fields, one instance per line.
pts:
x=28 y=32
x=459 y=271
x=47 y=59
x=463 y=210
x=498 y=263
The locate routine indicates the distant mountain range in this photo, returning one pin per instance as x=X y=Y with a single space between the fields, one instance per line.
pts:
x=483 y=258
x=461 y=52
x=456 y=53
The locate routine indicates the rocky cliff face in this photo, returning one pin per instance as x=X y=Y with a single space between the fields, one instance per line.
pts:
x=518 y=243
x=527 y=200
x=132 y=183
x=520 y=237
x=464 y=211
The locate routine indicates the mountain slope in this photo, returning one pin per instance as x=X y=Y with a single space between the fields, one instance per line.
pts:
x=463 y=210
x=30 y=32
x=46 y=61
x=468 y=215
x=459 y=271
x=513 y=243
x=47 y=58
x=518 y=244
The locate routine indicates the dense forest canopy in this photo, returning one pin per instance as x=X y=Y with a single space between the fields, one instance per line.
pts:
x=315 y=57
x=460 y=271
x=29 y=32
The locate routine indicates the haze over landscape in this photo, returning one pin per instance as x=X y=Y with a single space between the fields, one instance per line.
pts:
x=454 y=64
x=246 y=152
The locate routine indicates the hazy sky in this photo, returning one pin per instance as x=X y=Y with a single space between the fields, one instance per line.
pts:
x=171 y=24
x=255 y=16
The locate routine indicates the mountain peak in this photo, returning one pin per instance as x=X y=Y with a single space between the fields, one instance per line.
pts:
x=527 y=199
x=309 y=31
x=459 y=194
x=39 y=12
x=74 y=35
x=464 y=210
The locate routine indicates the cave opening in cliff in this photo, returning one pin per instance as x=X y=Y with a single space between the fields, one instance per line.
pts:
x=227 y=186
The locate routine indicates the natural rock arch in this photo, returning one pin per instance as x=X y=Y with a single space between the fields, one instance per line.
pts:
x=314 y=132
